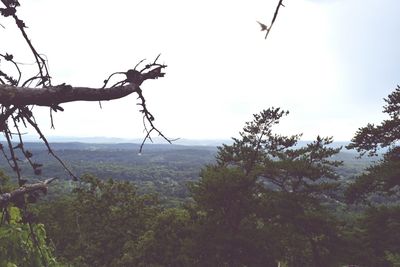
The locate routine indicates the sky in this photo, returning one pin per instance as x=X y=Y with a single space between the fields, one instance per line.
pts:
x=329 y=62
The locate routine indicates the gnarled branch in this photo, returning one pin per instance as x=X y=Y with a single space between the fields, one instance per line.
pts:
x=54 y=95
x=25 y=189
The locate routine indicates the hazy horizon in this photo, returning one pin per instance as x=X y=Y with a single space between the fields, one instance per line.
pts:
x=156 y=140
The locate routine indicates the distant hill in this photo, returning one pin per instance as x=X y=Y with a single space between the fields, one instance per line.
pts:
x=116 y=140
x=157 y=141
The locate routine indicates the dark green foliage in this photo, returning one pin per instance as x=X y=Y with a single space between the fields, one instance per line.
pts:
x=162 y=169
x=382 y=232
x=260 y=204
x=266 y=189
x=98 y=219
x=167 y=242
x=5 y=185
x=372 y=137
x=228 y=230
x=275 y=159
x=266 y=200
x=378 y=234
x=384 y=177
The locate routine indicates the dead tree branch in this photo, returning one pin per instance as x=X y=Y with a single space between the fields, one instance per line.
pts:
x=55 y=95
x=6 y=198
x=264 y=27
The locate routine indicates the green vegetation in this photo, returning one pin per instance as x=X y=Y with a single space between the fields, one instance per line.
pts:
x=22 y=243
x=383 y=177
x=161 y=169
x=264 y=200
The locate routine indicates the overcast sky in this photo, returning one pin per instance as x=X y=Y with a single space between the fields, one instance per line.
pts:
x=329 y=62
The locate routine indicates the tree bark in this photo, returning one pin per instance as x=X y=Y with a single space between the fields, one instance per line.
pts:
x=54 y=95
x=9 y=197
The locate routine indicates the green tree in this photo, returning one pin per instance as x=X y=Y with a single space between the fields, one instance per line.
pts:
x=263 y=200
x=379 y=233
x=384 y=176
x=378 y=227
x=228 y=231
x=92 y=227
x=22 y=242
x=167 y=242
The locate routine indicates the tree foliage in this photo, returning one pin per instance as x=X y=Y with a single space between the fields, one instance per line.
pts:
x=265 y=197
x=100 y=219
x=382 y=177
x=387 y=134
x=17 y=245
x=265 y=201
x=23 y=242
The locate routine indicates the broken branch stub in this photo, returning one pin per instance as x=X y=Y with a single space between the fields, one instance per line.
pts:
x=6 y=198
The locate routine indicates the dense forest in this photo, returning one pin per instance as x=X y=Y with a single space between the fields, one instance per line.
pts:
x=162 y=169
x=263 y=200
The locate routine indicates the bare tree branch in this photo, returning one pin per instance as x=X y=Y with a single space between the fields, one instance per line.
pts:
x=54 y=95
x=265 y=27
x=6 y=198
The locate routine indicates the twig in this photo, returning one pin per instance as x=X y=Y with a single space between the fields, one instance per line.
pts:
x=27 y=154
x=35 y=126
x=13 y=157
x=149 y=118
x=9 y=57
x=266 y=28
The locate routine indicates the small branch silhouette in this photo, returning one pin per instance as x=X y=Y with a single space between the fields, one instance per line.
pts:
x=264 y=27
